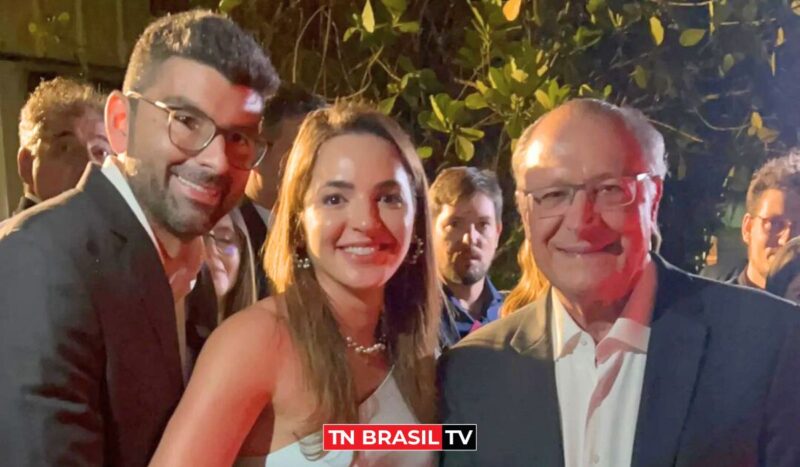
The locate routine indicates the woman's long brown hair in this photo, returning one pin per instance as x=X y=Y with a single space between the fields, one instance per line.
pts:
x=412 y=299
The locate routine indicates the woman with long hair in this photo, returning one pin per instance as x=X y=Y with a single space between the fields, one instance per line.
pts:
x=229 y=257
x=348 y=334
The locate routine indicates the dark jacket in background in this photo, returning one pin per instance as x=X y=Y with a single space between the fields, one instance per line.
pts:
x=91 y=370
x=258 y=235
x=721 y=385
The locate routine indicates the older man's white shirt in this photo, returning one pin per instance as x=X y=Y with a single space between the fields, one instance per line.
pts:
x=600 y=386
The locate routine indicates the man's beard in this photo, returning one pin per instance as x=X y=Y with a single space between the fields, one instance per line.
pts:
x=185 y=223
x=472 y=275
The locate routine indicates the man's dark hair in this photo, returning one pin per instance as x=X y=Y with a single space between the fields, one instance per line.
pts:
x=457 y=183
x=782 y=173
x=291 y=100
x=204 y=37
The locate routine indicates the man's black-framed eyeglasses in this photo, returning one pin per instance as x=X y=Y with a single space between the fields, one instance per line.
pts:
x=192 y=131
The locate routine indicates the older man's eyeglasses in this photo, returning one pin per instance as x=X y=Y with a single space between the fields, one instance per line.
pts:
x=605 y=194
x=192 y=131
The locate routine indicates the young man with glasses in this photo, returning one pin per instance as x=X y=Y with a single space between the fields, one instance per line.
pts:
x=772 y=217
x=99 y=334
x=627 y=360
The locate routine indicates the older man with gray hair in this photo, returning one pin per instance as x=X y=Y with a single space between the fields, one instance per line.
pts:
x=627 y=360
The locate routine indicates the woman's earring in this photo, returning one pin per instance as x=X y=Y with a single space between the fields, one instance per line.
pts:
x=419 y=249
x=301 y=262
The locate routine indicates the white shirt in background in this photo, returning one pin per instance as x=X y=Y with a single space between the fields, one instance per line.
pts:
x=600 y=386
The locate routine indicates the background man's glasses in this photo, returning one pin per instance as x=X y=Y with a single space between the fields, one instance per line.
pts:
x=605 y=194
x=192 y=131
x=776 y=225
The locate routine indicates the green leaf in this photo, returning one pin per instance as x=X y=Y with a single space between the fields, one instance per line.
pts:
x=511 y=10
x=454 y=109
x=640 y=77
x=226 y=6
x=656 y=30
x=476 y=101
x=756 y=121
x=429 y=120
x=63 y=18
x=594 y=6
x=518 y=75
x=425 y=152
x=772 y=63
x=368 y=17
x=473 y=134
x=607 y=90
x=395 y=7
x=464 y=148
x=406 y=64
x=544 y=99
x=349 y=33
x=386 y=105
x=437 y=111
x=409 y=27
x=727 y=62
x=691 y=37
x=499 y=81
x=542 y=70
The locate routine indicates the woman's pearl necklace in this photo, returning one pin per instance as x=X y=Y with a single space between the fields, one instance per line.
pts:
x=378 y=346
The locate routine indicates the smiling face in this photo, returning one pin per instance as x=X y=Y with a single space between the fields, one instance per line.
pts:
x=359 y=213
x=589 y=255
x=185 y=193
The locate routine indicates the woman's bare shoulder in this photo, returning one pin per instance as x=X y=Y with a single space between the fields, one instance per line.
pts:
x=252 y=337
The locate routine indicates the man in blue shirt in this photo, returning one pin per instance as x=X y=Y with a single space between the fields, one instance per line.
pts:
x=466 y=204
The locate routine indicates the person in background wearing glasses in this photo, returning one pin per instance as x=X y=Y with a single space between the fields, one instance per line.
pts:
x=61 y=118
x=771 y=220
x=98 y=330
x=230 y=259
x=627 y=360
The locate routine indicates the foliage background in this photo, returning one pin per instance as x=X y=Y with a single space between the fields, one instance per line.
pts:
x=718 y=78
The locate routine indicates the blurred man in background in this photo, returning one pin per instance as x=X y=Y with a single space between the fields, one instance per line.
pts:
x=60 y=130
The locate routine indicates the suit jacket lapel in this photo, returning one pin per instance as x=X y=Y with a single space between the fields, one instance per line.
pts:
x=674 y=356
x=533 y=340
x=144 y=278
